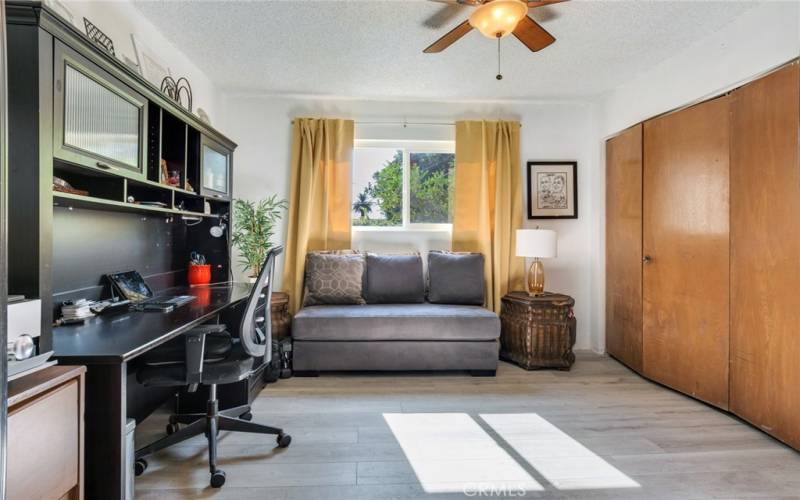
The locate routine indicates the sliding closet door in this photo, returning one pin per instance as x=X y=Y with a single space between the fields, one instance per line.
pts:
x=765 y=260
x=624 y=247
x=686 y=254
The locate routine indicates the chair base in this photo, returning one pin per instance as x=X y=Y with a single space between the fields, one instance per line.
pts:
x=210 y=423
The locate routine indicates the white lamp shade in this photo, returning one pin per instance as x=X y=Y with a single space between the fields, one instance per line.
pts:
x=540 y=243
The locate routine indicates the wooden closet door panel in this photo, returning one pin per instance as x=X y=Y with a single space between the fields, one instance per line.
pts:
x=686 y=235
x=765 y=259
x=624 y=247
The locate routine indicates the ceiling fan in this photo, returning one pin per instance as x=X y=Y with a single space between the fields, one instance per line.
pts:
x=494 y=19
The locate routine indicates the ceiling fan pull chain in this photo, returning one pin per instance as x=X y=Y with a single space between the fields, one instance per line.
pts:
x=499 y=75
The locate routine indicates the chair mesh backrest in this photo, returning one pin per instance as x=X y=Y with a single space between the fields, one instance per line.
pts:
x=256 y=331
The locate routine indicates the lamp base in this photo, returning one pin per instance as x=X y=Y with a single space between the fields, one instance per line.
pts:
x=535 y=279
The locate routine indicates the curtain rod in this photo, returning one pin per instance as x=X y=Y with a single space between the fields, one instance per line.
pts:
x=405 y=124
x=447 y=124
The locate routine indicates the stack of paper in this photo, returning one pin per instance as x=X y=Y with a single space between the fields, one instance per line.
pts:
x=80 y=309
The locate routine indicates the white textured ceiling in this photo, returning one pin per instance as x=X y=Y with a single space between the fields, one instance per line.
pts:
x=373 y=48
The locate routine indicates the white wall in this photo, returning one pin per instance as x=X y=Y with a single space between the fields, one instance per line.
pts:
x=762 y=38
x=119 y=19
x=550 y=131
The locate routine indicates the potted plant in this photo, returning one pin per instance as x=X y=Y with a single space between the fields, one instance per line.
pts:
x=253 y=228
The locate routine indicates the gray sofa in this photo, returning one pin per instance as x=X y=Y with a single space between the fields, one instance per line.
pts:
x=410 y=336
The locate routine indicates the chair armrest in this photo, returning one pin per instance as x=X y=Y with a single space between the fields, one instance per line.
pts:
x=195 y=346
x=195 y=342
x=208 y=329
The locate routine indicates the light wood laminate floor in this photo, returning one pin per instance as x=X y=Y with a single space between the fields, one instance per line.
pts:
x=670 y=445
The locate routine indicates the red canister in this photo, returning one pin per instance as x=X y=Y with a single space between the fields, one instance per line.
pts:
x=199 y=274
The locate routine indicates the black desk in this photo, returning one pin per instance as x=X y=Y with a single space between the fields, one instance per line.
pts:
x=106 y=344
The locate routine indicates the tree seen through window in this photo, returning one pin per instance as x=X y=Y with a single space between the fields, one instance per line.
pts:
x=431 y=182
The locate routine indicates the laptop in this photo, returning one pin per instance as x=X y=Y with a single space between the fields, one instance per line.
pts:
x=131 y=286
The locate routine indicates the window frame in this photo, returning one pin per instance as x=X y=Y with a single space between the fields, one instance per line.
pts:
x=407 y=147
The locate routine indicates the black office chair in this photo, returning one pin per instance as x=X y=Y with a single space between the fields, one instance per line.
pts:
x=208 y=355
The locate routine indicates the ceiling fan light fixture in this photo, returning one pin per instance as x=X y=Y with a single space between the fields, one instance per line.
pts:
x=498 y=18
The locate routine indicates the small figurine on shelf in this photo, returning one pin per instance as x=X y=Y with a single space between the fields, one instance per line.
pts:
x=163 y=173
x=174 y=178
x=189 y=187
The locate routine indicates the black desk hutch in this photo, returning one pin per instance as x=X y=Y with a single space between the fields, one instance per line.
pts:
x=77 y=113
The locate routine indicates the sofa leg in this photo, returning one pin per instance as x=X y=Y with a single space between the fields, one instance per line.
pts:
x=483 y=373
x=305 y=373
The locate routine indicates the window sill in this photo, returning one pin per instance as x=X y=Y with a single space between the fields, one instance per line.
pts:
x=422 y=228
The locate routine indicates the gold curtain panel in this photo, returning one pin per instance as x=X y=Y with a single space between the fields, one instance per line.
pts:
x=319 y=196
x=488 y=202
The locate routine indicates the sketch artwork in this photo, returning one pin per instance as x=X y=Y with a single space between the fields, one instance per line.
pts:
x=552 y=188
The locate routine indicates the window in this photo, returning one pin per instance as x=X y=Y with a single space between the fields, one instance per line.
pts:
x=403 y=185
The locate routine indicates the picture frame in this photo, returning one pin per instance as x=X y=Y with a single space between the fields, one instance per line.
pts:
x=151 y=67
x=552 y=189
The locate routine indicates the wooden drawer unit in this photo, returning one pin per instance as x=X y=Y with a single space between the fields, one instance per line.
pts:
x=45 y=435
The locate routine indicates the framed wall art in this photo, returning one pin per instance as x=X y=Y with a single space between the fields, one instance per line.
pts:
x=151 y=67
x=552 y=190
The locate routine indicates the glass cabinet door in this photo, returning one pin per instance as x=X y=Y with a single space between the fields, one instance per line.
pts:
x=99 y=121
x=215 y=162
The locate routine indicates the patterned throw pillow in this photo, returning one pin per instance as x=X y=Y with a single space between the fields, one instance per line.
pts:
x=333 y=278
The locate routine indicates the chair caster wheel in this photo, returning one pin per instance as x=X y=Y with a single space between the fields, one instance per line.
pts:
x=172 y=428
x=140 y=466
x=217 y=479
x=246 y=416
x=284 y=440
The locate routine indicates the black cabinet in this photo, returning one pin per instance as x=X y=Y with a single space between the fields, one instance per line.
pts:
x=79 y=114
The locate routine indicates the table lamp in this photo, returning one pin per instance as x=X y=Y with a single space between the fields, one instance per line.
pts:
x=539 y=244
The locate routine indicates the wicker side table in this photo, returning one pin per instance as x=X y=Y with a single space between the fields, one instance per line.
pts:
x=281 y=320
x=538 y=332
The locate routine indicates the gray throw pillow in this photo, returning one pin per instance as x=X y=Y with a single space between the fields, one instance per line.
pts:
x=455 y=278
x=394 y=279
x=333 y=279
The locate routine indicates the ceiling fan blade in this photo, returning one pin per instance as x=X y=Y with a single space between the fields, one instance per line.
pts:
x=530 y=33
x=540 y=3
x=464 y=2
x=443 y=16
x=544 y=15
x=450 y=38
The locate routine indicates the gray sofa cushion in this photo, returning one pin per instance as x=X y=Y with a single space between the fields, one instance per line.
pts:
x=394 y=279
x=396 y=322
x=334 y=278
x=455 y=278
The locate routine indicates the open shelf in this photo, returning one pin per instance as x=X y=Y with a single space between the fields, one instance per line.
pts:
x=89 y=178
x=171 y=188
x=77 y=201
x=193 y=158
x=141 y=192
x=173 y=146
x=97 y=184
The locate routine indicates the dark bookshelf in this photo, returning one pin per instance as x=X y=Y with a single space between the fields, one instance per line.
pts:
x=99 y=229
